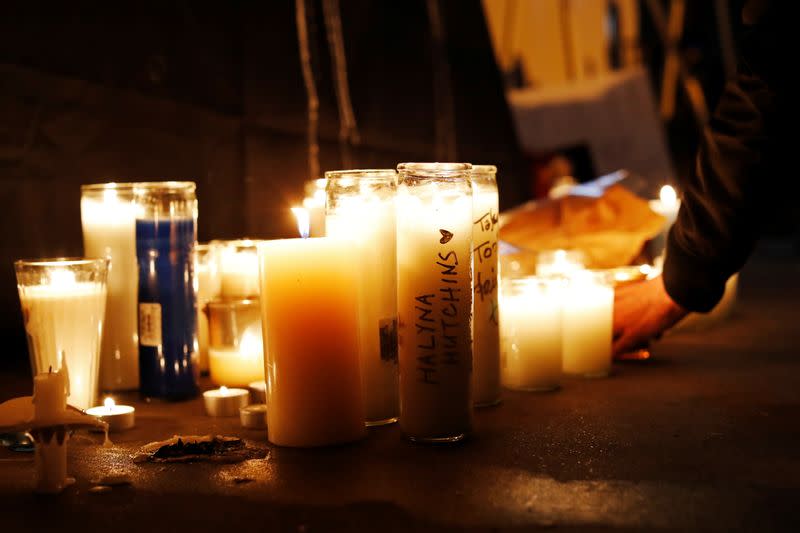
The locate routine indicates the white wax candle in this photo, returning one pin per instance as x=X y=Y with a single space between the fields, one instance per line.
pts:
x=434 y=288
x=109 y=230
x=238 y=365
x=51 y=463
x=370 y=225
x=667 y=206
x=64 y=319
x=118 y=417
x=224 y=401
x=315 y=207
x=588 y=317
x=49 y=395
x=486 y=334
x=531 y=334
x=239 y=273
x=309 y=314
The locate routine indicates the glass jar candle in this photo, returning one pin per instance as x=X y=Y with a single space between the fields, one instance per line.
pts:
x=588 y=314
x=486 y=332
x=360 y=207
x=63 y=306
x=166 y=233
x=238 y=264
x=434 y=299
x=207 y=277
x=108 y=219
x=235 y=349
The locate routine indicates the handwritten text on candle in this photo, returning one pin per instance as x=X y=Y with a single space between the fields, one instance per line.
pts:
x=485 y=250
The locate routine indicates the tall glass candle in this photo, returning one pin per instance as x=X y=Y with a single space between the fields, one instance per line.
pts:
x=238 y=263
x=166 y=233
x=486 y=333
x=309 y=316
x=235 y=351
x=588 y=317
x=434 y=298
x=63 y=306
x=108 y=218
x=207 y=276
x=531 y=333
x=361 y=208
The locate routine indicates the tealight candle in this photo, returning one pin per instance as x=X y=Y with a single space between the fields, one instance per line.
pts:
x=258 y=391
x=118 y=417
x=254 y=416
x=224 y=401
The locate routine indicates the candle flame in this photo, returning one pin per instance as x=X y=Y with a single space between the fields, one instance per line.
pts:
x=668 y=196
x=321 y=183
x=250 y=345
x=303 y=221
x=109 y=402
x=62 y=278
x=223 y=390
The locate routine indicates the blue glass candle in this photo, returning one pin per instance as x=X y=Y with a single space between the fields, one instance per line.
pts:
x=166 y=232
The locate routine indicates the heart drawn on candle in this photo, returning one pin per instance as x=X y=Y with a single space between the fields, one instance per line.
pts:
x=446 y=236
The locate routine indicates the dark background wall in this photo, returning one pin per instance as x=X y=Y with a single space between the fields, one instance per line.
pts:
x=213 y=92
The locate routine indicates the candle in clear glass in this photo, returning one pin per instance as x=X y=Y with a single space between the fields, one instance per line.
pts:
x=235 y=350
x=559 y=262
x=309 y=315
x=434 y=299
x=63 y=305
x=238 y=263
x=361 y=209
x=314 y=204
x=667 y=205
x=108 y=218
x=588 y=314
x=166 y=234
x=486 y=333
x=207 y=277
x=531 y=333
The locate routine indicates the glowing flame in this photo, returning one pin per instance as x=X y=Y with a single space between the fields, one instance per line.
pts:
x=110 y=194
x=321 y=183
x=223 y=390
x=668 y=196
x=250 y=345
x=62 y=278
x=109 y=403
x=303 y=221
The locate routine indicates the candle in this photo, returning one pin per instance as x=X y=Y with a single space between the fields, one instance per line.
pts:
x=108 y=219
x=50 y=395
x=238 y=269
x=559 y=262
x=208 y=281
x=118 y=417
x=667 y=206
x=361 y=208
x=314 y=204
x=241 y=363
x=166 y=233
x=63 y=304
x=50 y=391
x=309 y=304
x=587 y=327
x=258 y=391
x=531 y=333
x=434 y=288
x=486 y=333
x=224 y=401
x=253 y=416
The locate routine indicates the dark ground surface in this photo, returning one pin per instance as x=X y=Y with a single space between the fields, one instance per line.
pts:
x=705 y=436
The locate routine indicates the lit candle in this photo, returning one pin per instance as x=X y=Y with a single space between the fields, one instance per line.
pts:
x=118 y=417
x=559 y=262
x=486 y=333
x=587 y=325
x=207 y=276
x=50 y=391
x=238 y=269
x=434 y=297
x=309 y=315
x=361 y=208
x=63 y=320
x=239 y=364
x=531 y=333
x=224 y=401
x=314 y=204
x=108 y=218
x=667 y=206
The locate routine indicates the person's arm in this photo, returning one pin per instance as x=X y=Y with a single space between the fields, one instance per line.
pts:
x=723 y=200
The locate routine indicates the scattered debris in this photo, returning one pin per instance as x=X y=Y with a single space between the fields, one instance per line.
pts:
x=114 y=480
x=191 y=448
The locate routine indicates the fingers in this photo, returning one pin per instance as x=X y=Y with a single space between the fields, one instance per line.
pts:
x=627 y=342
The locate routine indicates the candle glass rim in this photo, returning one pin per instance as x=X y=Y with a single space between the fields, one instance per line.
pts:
x=67 y=261
x=244 y=242
x=233 y=303
x=359 y=173
x=171 y=185
x=434 y=170
x=484 y=169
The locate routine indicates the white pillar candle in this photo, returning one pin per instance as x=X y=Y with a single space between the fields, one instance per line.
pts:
x=238 y=269
x=310 y=325
x=361 y=209
x=588 y=317
x=434 y=288
x=64 y=320
x=314 y=204
x=241 y=364
x=118 y=417
x=51 y=462
x=486 y=333
x=531 y=334
x=224 y=401
x=108 y=218
x=50 y=395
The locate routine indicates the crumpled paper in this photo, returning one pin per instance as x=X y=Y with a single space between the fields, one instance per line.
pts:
x=611 y=230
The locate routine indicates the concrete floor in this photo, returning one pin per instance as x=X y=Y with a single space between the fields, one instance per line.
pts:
x=705 y=436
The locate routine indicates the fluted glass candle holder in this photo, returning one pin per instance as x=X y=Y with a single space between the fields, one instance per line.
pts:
x=235 y=349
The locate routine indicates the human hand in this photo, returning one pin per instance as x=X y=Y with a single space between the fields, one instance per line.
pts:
x=642 y=311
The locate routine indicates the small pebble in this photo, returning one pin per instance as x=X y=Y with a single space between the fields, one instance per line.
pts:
x=100 y=489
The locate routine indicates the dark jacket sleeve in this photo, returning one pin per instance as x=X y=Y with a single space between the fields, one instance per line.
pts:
x=723 y=201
